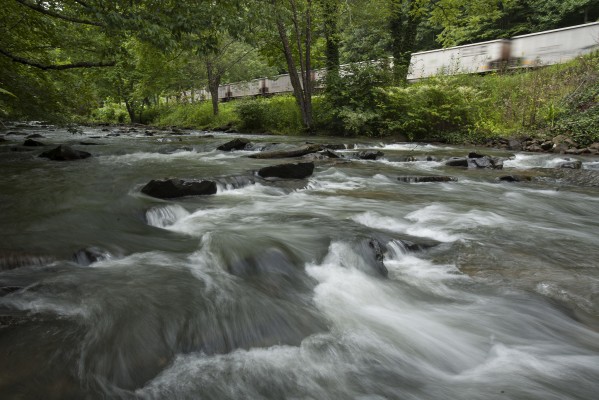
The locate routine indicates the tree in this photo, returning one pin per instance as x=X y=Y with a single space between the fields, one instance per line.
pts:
x=404 y=18
x=293 y=21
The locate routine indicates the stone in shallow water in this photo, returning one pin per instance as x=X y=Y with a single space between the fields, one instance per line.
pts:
x=288 y=171
x=65 y=153
x=235 y=144
x=428 y=178
x=369 y=155
x=32 y=143
x=172 y=188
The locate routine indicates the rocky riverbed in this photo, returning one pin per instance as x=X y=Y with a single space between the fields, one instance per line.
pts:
x=139 y=263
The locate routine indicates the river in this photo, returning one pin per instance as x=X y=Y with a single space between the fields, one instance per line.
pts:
x=271 y=291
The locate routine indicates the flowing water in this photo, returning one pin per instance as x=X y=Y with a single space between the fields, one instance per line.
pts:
x=274 y=290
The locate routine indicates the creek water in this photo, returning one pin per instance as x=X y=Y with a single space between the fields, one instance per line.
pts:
x=271 y=291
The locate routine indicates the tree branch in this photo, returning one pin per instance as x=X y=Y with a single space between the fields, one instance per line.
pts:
x=58 y=67
x=40 y=9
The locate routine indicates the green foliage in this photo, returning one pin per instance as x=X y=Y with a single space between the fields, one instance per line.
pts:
x=580 y=115
x=198 y=115
x=277 y=114
x=110 y=113
x=351 y=100
x=432 y=109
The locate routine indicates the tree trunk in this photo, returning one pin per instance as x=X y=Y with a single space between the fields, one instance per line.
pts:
x=403 y=25
x=330 y=12
x=130 y=111
x=300 y=80
x=213 y=83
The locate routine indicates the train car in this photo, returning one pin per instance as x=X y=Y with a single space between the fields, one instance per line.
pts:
x=468 y=59
x=279 y=84
x=555 y=46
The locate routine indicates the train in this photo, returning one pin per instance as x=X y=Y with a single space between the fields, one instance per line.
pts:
x=524 y=51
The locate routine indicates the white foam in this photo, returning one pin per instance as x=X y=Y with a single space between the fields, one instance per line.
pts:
x=165 y=216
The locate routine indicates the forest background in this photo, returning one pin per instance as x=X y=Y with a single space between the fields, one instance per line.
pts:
x=131 y=61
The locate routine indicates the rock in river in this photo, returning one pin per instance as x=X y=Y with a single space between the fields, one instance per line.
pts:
x=32 y=143
x=172 y=188
x=288 y=171
x=65 y=153
x=235 y=144
x=426 y=178
x=295 y=152
x=369 y=155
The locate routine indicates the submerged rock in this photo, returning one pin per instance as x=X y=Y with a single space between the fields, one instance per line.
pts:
x=32 y=143
x=18 y=260
x=34 y=136
x=65 y=153
x=514 y=178
x=427 y=178
x=371 y=250
x=378 y=251
x=570 y=164
x=90 y=255
x=289 y=153
x=334 y=146
x=172 y=188
x=369 y=155
x=288 y=171
x=235 y=144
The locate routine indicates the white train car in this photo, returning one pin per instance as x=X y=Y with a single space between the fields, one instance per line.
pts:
x=254 y=87
x=279 y=84
x=555 y=46
x=468 y=59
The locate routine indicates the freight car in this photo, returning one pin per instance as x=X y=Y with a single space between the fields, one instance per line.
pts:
x=536 y=49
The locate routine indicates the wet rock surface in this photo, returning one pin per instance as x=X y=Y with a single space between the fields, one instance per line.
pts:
x=173 y=188
x=65 y=153
x=426 y=178
x=235 y=144
x=287 y=171
x=288 y=153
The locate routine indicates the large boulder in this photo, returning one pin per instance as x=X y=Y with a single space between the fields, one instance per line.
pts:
x=289 y=153
x=173 y=188
x=65 y=153
x=235 y=144
x=288 y=171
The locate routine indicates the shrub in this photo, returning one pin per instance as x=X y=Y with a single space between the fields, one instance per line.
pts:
x=432 y=109
x=252 y=114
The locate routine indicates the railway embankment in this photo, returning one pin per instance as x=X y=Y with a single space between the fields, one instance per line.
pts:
x=551 y=109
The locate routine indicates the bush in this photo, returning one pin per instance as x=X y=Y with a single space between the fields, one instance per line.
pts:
x=433 y=109
x=199 y=115
x=278 y=114
x=252 y=114
x=110 y=113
